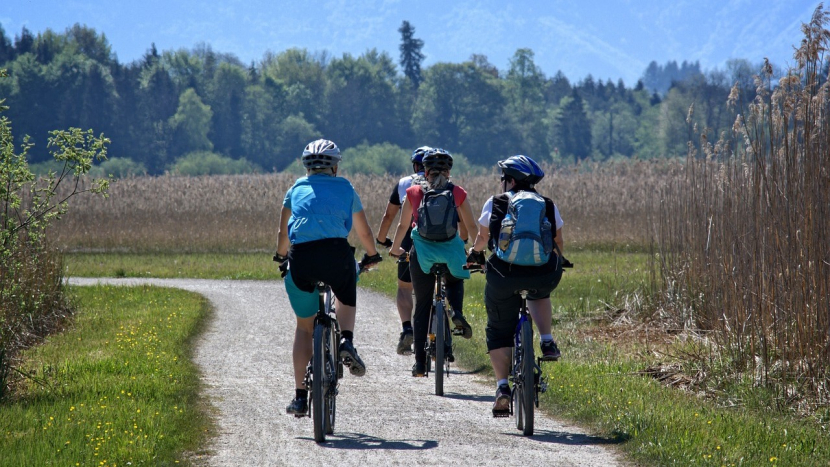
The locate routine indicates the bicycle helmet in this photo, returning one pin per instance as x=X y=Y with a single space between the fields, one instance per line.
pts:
x=437 y=158
x=522 y=168
x=418 y=154
x=321 y=154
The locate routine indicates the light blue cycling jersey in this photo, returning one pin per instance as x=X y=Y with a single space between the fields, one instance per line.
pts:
x=321 y=207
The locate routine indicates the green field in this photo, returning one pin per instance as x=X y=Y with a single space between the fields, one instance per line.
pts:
x=597 y=384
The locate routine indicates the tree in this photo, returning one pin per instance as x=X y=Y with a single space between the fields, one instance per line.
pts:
x=571 y=135
x=462 y=106
x=526 y=102
x=6 y=49
x=191 y=124
x=411 y=55
x=24 y=42
x=363 y=86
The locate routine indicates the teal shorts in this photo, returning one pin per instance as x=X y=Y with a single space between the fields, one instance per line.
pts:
x=304 y=303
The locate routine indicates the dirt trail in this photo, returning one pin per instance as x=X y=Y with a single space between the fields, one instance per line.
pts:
x=384 y=418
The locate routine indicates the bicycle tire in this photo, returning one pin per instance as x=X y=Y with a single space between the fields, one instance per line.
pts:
x=331 y=379
x=528 y=382
x=440 y=350
x=517 y=399
x=318 y=397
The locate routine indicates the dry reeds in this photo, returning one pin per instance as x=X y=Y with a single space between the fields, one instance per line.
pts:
x=600 y=204
x=744 y=236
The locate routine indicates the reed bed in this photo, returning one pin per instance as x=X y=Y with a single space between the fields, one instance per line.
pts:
x=743 y=236
x=600 y=203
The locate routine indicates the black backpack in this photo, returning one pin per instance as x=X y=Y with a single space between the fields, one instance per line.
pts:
x=437 y=215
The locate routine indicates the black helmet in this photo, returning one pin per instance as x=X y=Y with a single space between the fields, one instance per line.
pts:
x=437 y=158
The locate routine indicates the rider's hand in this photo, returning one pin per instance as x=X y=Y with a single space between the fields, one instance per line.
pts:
x=280 y=258
x=283 y=269
x=475 y=257
x=386 y=243
x=369 y=260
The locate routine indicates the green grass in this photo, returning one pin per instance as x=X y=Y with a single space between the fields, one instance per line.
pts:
x=595 y=384
x=117 y=388
x=171 y=265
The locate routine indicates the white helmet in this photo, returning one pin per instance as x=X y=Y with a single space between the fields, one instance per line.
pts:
x=321 y=154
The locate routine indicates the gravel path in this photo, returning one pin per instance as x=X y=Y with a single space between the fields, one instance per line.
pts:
x=384 y=418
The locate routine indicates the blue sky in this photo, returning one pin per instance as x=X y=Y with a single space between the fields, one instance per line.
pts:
x=607 y=39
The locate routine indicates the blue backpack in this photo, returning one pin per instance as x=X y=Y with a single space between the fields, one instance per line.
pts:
x=526 y=237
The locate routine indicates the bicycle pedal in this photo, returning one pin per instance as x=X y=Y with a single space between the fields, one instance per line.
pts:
x=458 y=331
x=501 y=413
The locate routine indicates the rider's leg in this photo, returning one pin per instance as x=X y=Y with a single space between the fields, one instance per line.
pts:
x=345 y=315
x=455 y=296
x=302 y=349
x=500 y=359
x=540 y=310
x=423 y=285
x=404 y=301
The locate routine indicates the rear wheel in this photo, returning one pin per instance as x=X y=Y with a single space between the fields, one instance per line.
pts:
x=528 y=387
x=440 y=350
x=517 y=387
x=319 y=412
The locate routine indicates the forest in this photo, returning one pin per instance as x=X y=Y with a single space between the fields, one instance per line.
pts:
x=188 y=110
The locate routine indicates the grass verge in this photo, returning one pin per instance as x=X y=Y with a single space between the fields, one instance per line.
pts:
x=117 y=388
x=598 y=383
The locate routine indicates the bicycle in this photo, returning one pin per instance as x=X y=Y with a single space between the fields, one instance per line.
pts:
x=526 y=372
x=325 y=369
x=439 y=336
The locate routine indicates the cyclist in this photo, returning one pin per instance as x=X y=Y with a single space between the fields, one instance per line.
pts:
x=403 y=299
x=318 y=213
x=424 y=253
x=519 y=173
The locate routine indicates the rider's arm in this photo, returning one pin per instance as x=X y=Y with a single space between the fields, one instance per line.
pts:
x=282 y=236
x=482 y=237
x=559 y=241
x=364 y=232
x=388 y=217
x=403 y=226
x=465 y=211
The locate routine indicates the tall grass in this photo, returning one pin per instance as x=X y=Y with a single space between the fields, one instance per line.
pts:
x=743 y=236
x=601 y=204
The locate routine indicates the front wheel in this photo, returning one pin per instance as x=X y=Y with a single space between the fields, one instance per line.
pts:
x=528 y=396
x=440 y=350
x=319 y=411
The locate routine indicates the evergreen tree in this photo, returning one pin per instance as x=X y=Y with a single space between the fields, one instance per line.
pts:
x=6 y=49
x=24 y=42
x=411 y=55
x=572 y=129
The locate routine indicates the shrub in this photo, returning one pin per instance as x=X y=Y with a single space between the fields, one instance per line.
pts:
x=210 y=163
x=32 y=300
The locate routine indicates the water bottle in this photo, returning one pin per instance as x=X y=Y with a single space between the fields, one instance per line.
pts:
x=506 y=232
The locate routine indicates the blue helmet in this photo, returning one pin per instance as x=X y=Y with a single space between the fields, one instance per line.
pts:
x=417 y=156
x=522 y=168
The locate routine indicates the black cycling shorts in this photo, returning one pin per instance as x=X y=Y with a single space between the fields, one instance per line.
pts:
x=503 y=304
x=330 y=260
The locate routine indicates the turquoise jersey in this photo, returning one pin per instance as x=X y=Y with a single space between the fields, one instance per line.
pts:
x=321 y=207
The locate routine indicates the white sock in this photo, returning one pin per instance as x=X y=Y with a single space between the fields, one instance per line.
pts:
x=501 y=382
x=546 y=337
